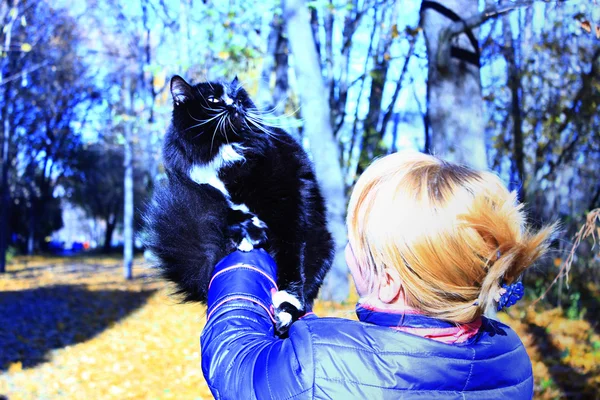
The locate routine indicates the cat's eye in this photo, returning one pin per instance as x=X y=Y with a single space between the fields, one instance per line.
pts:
x=213 y=99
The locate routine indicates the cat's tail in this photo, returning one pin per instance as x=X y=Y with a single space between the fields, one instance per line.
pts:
x=185 y=230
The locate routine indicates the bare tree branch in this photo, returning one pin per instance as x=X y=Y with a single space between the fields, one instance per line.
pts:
x=356 y=22
x=388 y=115
x=22 y=73
x=458 y=27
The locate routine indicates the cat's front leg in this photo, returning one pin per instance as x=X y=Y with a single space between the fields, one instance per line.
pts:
x=288 y=302
x=245 y=229
x=254 y=233
x=288 y=308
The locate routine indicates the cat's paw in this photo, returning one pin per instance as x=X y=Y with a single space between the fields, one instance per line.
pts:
x=288 y=308
x=245 y=245
x=254 y=234
x=249 y=234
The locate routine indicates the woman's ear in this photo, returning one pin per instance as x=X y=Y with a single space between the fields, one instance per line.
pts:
x=390 y=287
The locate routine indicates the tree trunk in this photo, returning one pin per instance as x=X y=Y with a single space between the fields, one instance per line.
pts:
x=317 y=128
x=5 y=192
x=514 y=83
x=31 y=230
x=390 y=110
x=274 y=60
x=264 y=96
x=128 y=186
x=328 y=25
x=338 y=106
x=6 y=137
x=373 y=134
x=454 y=96
x=352 y=163
x=108 y=234
x=314 y=24
x=281 y=71
x=184 y=39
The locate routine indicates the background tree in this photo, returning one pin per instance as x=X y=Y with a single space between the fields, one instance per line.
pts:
x=8 y=12
x=317 y=129
x=53 y=96
x=454 y=99
x=98 y=186
x=551 y=109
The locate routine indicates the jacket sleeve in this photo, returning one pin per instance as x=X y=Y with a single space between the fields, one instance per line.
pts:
x=241 y=356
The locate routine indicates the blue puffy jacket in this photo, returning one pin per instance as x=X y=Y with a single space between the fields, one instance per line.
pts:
x=332 y=358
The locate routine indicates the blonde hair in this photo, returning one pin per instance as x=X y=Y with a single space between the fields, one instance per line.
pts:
x=452 y=233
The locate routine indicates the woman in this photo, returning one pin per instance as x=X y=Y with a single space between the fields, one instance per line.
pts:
x=432 y=246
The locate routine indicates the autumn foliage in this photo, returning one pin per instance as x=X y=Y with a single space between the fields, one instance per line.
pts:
x=72 y=328
x=75 y=329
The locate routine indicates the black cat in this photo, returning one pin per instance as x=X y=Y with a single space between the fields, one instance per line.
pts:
x=237 y=182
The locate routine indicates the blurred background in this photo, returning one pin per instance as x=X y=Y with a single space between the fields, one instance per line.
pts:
x=513 y=86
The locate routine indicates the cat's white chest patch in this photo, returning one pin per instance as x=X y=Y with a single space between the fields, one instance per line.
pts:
x=229 y=155
x=209 y=173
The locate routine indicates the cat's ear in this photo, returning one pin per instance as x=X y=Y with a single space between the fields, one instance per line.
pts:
x=234 y=82
x=180 y=90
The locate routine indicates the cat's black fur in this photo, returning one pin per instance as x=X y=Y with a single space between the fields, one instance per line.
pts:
x=185 y=227
x=192 y=224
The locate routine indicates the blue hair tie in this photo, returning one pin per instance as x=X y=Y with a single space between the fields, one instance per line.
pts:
x=510 y=294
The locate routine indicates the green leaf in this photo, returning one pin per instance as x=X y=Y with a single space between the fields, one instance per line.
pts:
x=546 y=383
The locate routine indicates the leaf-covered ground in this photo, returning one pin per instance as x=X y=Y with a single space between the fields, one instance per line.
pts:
x=74 y=329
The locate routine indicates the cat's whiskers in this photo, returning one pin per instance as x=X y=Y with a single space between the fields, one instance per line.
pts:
x=260 y=127
x=217 y=128
x=221 y=127
x=271 y=119
x=239 y=86
x=264 y=123
x=275 y=116
x=209 y=109
x=215 y=133
x=224 y=127
x=268 y=111
x=210 y=84
x=212 y=141
x=204 y=122
x=201 y=95
x=272 y=123
x=272 y=111
x=196 y=119
x=231 y=125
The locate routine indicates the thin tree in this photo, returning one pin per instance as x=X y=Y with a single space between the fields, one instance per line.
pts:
x=5 y=195
x=318 y=130
x=514 y=83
